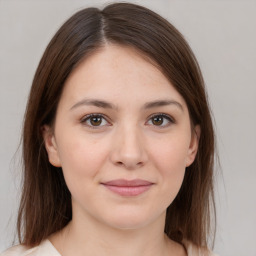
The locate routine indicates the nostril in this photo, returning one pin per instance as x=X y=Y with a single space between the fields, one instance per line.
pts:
x=129 y=165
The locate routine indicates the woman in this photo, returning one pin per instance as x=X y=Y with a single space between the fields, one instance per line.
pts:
x=118 y=143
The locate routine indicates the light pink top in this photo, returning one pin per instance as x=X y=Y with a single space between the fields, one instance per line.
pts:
x=47 y=249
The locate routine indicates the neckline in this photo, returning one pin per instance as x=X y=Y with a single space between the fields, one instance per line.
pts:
x=47 y=243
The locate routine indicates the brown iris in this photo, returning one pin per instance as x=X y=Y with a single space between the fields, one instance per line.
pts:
x=157 y=120
x=96 y=120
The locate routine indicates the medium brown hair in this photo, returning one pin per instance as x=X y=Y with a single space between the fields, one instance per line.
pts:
x=46 y=201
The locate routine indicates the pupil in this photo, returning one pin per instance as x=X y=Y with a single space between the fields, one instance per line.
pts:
x=158 y=120
x=96 y=120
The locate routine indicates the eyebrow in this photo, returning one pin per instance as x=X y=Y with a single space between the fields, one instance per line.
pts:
x=108 y=105
x=93 y=102
x=161 y=103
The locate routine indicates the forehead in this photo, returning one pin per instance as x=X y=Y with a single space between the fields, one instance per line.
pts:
x=115 y=70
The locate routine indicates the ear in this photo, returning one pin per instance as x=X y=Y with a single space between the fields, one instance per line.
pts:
x=51 y=146
x=193 y=147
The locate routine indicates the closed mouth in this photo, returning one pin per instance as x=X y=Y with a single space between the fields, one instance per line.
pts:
x=128 y=187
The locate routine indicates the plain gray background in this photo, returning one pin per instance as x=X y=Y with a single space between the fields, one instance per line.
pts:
x=222 y=34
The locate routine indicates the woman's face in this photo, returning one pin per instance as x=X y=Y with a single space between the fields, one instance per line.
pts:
x=123 y=138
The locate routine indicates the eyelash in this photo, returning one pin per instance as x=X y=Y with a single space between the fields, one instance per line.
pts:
x=90 y=116
x=164 y=116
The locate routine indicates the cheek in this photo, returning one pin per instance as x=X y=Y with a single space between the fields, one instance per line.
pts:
x=169 y=158
x=170 y=155
x=81 y=159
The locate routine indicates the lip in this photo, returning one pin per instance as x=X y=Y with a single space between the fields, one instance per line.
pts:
x=128 y=187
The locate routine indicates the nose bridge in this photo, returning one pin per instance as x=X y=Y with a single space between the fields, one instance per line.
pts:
x=129 y=149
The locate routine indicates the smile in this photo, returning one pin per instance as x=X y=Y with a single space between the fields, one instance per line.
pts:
x=128 y=187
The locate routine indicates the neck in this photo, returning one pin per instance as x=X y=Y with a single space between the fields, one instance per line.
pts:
x=93 y=238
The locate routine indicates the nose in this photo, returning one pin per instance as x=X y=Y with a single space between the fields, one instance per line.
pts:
x=128 y=148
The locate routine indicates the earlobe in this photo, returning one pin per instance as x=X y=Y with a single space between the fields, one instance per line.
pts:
x=51 y=146
x=193 y=147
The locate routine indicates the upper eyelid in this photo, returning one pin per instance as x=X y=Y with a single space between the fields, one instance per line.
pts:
x=162 y=114
x=86 y=117
x=94 y=114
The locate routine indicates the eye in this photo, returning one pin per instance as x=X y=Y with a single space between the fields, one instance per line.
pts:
x=161 y=120
x=94 y=121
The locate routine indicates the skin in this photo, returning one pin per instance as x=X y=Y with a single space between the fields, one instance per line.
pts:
x=127 y=143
